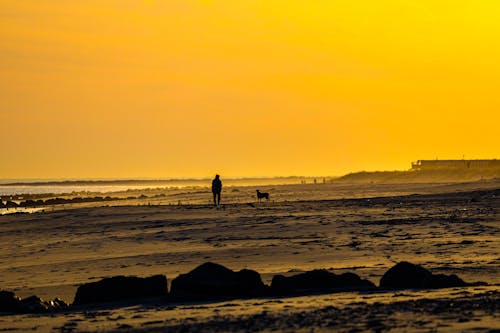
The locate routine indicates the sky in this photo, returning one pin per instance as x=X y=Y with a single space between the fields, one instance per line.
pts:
x=189 y=88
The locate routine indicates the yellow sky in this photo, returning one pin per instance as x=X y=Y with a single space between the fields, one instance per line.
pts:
x=186 y=88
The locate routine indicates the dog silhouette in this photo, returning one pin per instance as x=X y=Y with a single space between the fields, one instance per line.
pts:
x=261 y=195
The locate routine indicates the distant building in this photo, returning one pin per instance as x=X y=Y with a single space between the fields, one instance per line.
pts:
x=455 y=164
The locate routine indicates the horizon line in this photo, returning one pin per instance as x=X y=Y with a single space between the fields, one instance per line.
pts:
x=14 y=181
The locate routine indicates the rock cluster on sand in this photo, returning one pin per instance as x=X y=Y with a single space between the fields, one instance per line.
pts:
x=120 y=288
x=73 y=200
x=408 y=275
x=9 y=302
x=211 y=281
x=318 y=280
x=11 y=204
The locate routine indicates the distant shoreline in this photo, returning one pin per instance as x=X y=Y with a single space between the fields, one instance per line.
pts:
x=410 y=176
x=142 y=181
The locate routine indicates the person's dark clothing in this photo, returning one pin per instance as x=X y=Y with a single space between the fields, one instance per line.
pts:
x=216 y=190
x=216 y=185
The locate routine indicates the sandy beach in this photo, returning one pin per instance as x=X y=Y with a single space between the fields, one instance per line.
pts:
x=447 y=228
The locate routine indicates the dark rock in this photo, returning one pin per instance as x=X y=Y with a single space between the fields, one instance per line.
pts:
x=318 y=280
x=408 y=275
x=58 y=303
x=11 y=204
x=9 y=302
x=28 y=203
x=212 y=281
x=405 y=275
x=34 y=304
x=445 y=281
x=56 y=201
x=121 y=288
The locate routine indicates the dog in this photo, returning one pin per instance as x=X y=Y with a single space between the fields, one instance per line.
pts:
x=261 y=195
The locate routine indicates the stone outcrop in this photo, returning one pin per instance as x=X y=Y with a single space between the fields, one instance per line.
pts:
x=119 y=288
x=9 y=302
x=318 y=280
x=407 y=275
x=213 y=281
x=11 y=204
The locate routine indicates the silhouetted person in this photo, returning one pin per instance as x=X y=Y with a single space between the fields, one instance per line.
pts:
x=216 y=190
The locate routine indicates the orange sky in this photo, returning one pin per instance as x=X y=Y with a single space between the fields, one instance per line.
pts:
x=186 y=88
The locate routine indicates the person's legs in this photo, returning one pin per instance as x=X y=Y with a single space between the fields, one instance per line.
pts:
x=218 y=199
x=215 y=195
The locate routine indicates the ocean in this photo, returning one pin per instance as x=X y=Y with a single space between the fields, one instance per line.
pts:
x=13 y=187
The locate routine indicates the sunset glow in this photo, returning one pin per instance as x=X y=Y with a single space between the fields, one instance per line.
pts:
x=188 y=88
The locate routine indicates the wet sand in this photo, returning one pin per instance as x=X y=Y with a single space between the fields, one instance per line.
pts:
x=448 y=228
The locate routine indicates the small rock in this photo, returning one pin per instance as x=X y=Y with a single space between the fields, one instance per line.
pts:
x=9 y=302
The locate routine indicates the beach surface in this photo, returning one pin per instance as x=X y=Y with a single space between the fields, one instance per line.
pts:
x=449 y=228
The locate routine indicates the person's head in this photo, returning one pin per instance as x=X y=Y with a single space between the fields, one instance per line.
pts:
x=217 y=176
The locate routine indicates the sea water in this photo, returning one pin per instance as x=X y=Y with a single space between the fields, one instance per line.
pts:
x=16 y=188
